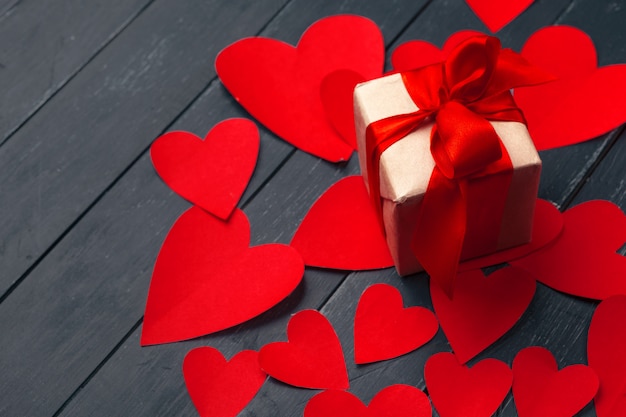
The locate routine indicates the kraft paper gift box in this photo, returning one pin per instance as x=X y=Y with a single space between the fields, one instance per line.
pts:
x=406 y=167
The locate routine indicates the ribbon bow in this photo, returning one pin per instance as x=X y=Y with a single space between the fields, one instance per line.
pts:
x=461 y=95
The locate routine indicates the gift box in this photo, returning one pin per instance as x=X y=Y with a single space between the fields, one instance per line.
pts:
x=500 y=198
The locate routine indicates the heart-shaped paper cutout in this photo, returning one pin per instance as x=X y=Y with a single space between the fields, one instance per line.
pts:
x=497 y=14
x=393 y=401
x=417 y=53
x=384 y=329
x=457 y=390
x=585 y=101
x=210 y=173
x=547 y=226
x=341 y=230
x=483 y=308
x=336 y=92
x=540 y=389
x=207 y=279
x=606 y=353
x=312 y=358
x=279 y=85
x=220 y=388
x=583 y=260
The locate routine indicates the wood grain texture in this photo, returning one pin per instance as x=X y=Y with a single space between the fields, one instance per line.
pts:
x=65 y=290
x=86 y=213
x=43 y=44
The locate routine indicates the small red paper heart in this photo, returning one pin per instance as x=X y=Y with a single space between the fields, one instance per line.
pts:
x=497 y=14
x=540 y=389
x=457 y=390
x=341 y=230
x=207 y=279
x=220 y=388
x=417 y=53
x=606 y=352
x=280 y=85
x=384 y=329
x=210 y=173
x=583 y=260
x=585 y=101
x=393 y=401
x=336 y=92
x=312 y=358
x=547 y=226
x=483 y=308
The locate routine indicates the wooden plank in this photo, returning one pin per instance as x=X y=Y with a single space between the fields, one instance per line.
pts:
x=608 y=181
x=45 y=43
x=59 y=162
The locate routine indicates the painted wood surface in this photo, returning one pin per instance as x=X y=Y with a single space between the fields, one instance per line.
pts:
x=84 y=214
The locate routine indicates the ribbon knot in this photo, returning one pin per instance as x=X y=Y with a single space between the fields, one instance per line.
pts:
x=461 y=94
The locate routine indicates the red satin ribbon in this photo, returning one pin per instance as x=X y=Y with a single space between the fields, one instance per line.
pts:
x=461 y=95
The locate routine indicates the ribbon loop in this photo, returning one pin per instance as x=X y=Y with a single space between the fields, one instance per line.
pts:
x=462 y=142
x=469 y=69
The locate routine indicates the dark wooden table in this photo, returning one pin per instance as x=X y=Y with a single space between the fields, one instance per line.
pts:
x=86 y=86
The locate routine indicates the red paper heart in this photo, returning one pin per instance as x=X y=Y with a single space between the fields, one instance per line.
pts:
x=280 y=85
x=606 y=352
x=220 y=388
x=540 y=389
x=583 y=261
x=547 y=226
x=336 y=94
x=393 y=401
x=312 y=358
x=497 y=14
x=213 y=173
x=457 y=390
x=384 y=329
x=417 y=53
x=585 y=101
x=483 y=309
x=341 y=230
x=207 y=279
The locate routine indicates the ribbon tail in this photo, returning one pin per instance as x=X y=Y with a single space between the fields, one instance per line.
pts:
x=440 y=230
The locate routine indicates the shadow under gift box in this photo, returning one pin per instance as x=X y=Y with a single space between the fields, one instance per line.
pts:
x=407 y=165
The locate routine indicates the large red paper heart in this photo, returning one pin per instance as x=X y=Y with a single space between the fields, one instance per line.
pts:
x=211 y=173
x=341 y=230
x=280 y=85
x=336 y=92
x=606 y=353
x=417 y=53
x=457 y=390
x=312 y=358
x=585 y=101
x=393 y=401
x=540 y=389
x=497 y=14
x=583 y=260
x=220 y=388
x=207 y=279
x=384 y=329
x=483 y=308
